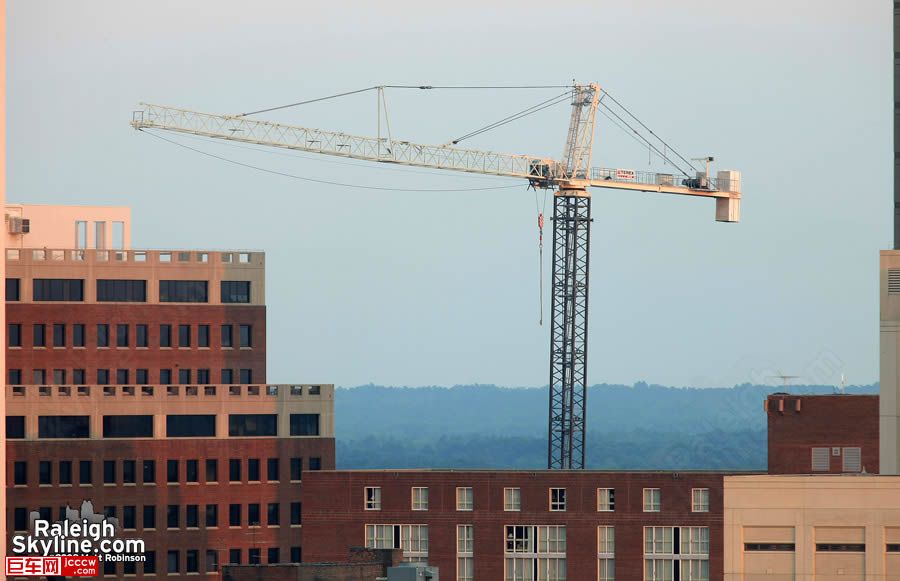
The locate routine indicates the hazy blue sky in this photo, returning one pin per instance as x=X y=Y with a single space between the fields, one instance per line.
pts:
x=442 y=288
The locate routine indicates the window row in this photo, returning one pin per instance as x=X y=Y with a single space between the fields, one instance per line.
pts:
x=171 y=390
x=106 y=376
x=177 y=426
x=512 y=499
x=120 y=335
x=175 y=516
x=66 y=472
x=129 y=290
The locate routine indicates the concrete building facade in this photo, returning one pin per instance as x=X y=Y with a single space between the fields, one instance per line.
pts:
x=821 y=528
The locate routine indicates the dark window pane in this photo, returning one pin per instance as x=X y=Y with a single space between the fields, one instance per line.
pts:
x=121 y=335
x=103 y=376
x=191 y=516
x=295 y=555
x=165 y=376
x=149 y=471
x=203 y=336
x=85 y=472
x=212 y=515
x=129 y=468
x=296 y=468
x=272 y=469
x=183 y=291
x=203 y=376
x=191 y=426
x=38 y=335
x=127 y=426
x=141 y=336
x=102 y=335
x=129 y=521
x=234 y=470
x=45 y=472
x=184 y=335
x=149 y=517
x=172 y=471
x=246 y=376
x=150 y=562
x=65 y=472
x=304 y=424
x=14 y=334
x=212 y=470
x=78 y=339
x=253 y=469
x=227 y=376
x=122 y=376
x=234 y=515
x=109 y=471
x=235 y=291
x=252 y=424
x=20 y=473
x=272 y=555
x=315 y=463
x=15 y=427
x=165 y=335
x=273 y=514
x=12 y=289
x=227 y=336
x=253 y=514
x=184 y=376
x=253 y=556
x=59 y=335
x=172 y=516
x=129 y=291
x=63 y=426
x=234 y=556
x=79 y=376
x=58 y=289
x=296 y=513
x=246 y=335
x=142 y=376
x=191 y=471
x=173 y=562
x=191 y=561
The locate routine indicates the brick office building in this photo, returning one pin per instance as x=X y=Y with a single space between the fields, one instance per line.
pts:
x=488 y=524
x=820 y=434
x=136 y=381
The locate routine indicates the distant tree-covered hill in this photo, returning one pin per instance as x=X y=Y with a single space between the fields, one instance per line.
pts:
x=629 y=427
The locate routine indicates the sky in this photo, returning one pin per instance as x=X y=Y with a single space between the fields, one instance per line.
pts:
x=427 y=288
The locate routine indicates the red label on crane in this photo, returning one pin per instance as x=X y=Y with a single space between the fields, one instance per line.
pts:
x=541 y=221
x=625 y=174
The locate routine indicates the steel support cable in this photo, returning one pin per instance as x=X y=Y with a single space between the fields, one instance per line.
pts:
x=630 y=133
x=637 y=135
x=650 y=130
x=516 y=116
x=317 y=181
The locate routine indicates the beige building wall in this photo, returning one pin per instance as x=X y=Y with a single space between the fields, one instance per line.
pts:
x=889 y=404
x=840 y=528
x=3 y=275
x=104 y=227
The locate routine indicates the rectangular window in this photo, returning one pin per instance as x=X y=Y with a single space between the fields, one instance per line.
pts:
x=59 y=334
x=253 y=469
x=413 y=539
x=192 y=561
x=234 y=556
x=606 y=500
x=172 y=516
x=191 y=471
x=419 y=498
x=39 y=377
x=79 y=376
x=203 y=376
x=315 y=463
x=296 y=469
x=20 y=519
x=465 y=539
x=651 y=500
x=129 y=517
x=45 y=472
x=184 y=335
x=128 y=426
x=212 y=470
x=252 y=425
x=212 y=561
x=149 y=470
x=373 y=498
x=272 y=555
x=58 y=289
x=14 y=334
x=558 y=499
x=272 y=469
x=227 y=336
x=235 y=291
x=141 y=338
x=227 y=376
x=78 y=335
x=246 y=332
x=129 y=470
x=109 y=472
x=273 y=516
x=122 y=376
x=121 y=335
x=245 y=376
x=63 y=426
x=20 y=473
x=465 y=498
x=142 y=376
x=103 y=376
x=149 y=521
x=59 y=378
x=234 y=515
x=172 y=471
x=165 y=335
x=253 y=557
x=769 y=547
x=296 y=513
x=12 y=290
x=38 y=335
x=212 y=515
x=183 y=291
x=102 y=335
x=531 y=549
x=184 y=376
x=121 y=291
x=304 y=424
x=85 y=472
x=821 y=459
x=202 y=335
x=192 y=516
x=191 y=426
x=165 y=376
x=296 y=555
x=606 y=553
x=15 y=427
x=700 y=500
x=234 y=470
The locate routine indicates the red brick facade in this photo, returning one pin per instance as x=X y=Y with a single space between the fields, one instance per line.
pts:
x=153 y=357
x=335 y=515
x=799 y=423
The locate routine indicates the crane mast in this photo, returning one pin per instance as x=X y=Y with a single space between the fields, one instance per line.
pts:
x=570 y=177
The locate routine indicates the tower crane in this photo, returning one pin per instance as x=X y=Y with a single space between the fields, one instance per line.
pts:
x=570 y=177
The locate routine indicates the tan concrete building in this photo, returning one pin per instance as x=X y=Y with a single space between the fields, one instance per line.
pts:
x=823 y=528
x=889 y=405
x=38 y=226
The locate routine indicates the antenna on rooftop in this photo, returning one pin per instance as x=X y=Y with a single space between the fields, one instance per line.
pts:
x=785 y=379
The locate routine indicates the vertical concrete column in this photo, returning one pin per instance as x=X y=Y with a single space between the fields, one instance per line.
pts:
x=889 y=402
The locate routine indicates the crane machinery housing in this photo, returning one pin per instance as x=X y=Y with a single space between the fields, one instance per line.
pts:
x=570 y=178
